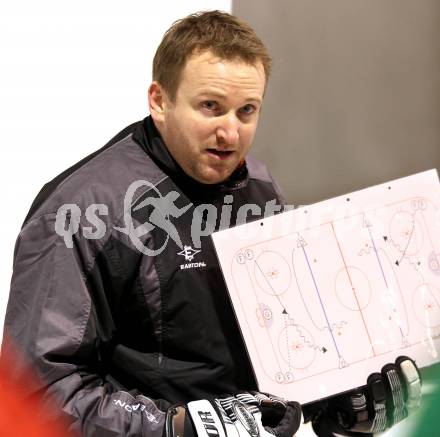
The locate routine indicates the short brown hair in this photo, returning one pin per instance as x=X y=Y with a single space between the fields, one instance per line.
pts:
x=225 y=35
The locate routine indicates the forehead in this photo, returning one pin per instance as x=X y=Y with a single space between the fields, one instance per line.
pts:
x=204 y=73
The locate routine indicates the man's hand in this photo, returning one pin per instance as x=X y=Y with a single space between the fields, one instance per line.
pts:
x=243 y=415
x=387 y=398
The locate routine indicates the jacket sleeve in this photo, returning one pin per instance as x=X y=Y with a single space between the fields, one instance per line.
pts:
x=58 y=319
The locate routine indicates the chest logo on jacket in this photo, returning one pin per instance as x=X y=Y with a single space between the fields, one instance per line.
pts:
x=189 y=253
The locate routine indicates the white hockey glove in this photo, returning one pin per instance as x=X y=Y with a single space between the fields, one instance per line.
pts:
x=242 y=415
x=387 y=398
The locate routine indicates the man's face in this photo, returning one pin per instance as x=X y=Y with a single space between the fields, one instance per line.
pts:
x=210 y=126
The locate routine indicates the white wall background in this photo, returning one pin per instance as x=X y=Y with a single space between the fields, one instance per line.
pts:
x=72 y=74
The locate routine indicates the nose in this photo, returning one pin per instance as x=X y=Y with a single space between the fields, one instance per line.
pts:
x=228 y=129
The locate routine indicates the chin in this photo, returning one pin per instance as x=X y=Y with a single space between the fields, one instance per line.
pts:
x=209 y=176
x=211 y=180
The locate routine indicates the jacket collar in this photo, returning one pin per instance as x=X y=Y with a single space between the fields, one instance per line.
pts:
x=148 y=137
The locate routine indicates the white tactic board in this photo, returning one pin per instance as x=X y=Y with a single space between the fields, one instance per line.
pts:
x=328 y=293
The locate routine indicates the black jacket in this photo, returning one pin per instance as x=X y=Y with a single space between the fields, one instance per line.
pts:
x=116 y=334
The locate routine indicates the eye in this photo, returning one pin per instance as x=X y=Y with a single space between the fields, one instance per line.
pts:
x=209 y=105
x=247 y=109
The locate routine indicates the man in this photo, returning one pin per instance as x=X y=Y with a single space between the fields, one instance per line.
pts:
x=124 y=315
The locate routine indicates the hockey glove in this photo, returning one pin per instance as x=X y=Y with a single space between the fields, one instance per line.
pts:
x=387 y=398
x=243 y=415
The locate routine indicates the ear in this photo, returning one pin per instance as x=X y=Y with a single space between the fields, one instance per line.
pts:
x=156 y=102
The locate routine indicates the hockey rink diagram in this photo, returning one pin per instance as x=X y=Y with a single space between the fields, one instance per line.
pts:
x=324 y=304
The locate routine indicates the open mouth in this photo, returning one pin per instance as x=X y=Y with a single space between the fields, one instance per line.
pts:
x=220 y=154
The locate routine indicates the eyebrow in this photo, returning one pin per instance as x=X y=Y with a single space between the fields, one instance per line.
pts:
x=209 y=94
